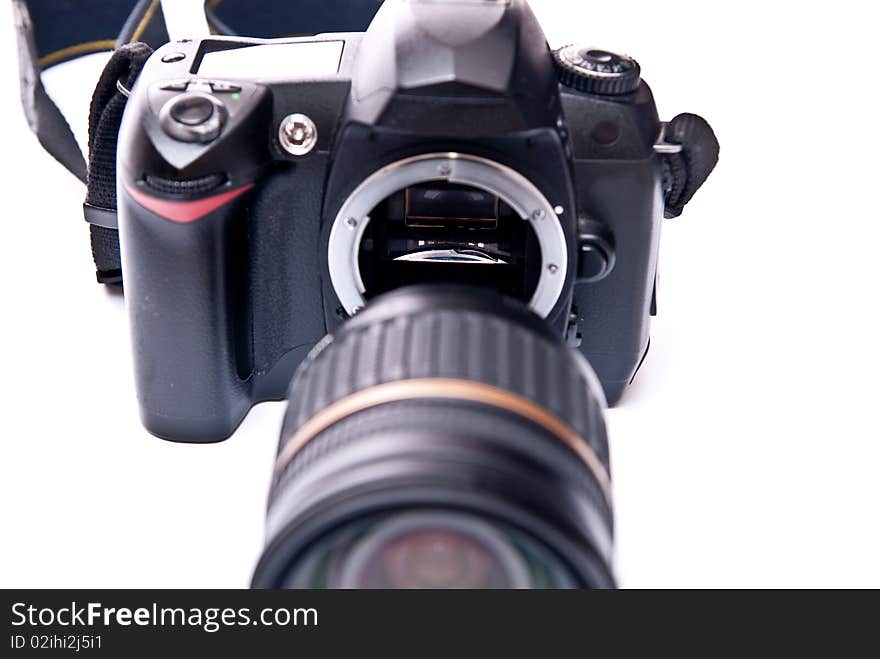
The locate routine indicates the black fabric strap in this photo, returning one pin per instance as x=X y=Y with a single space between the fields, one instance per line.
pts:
x=67 y=29
x=105 y=116
x=43 y=116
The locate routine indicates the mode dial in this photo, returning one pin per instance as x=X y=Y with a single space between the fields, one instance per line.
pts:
x=596 y=71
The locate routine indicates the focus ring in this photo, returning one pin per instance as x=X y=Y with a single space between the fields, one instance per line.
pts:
x=504 y=432
x=471 y=346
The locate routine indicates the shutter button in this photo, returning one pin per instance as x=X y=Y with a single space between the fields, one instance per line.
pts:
x=193 y=117
x=192 y=110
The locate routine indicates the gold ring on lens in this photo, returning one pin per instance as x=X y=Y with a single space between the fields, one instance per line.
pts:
x=447 y=389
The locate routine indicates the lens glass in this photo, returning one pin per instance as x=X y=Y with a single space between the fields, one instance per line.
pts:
x=428 y=550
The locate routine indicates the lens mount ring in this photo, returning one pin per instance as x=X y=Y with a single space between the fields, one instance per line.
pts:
x=509 y=185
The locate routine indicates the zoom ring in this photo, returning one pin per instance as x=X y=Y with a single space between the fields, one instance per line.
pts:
x=448 y=344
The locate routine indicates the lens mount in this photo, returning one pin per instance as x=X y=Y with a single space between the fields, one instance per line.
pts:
x=489 y=176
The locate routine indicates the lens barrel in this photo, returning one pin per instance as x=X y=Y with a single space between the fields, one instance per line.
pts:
x=442 y=438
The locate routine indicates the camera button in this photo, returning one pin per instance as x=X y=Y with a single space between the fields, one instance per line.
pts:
x=593 y=263
x=193 y=117
x=176 y=86
x=595 y=71
x=192 y=110
x=225 y=88
x=595 y=258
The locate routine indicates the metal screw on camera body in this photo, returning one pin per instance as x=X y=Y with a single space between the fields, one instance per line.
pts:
x=298 y=135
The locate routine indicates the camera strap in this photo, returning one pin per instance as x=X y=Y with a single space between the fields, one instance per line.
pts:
x=51 y=32
x=685 y=170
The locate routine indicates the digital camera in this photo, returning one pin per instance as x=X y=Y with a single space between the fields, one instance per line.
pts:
x=270 y=189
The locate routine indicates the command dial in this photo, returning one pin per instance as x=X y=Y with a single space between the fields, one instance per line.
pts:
x=596 y=71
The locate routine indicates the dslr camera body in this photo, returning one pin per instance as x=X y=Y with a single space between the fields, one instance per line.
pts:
x=269 y=189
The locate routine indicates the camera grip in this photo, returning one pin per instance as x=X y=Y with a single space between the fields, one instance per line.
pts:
x=183 y=289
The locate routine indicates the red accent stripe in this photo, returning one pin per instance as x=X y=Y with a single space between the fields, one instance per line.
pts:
x=184 y=211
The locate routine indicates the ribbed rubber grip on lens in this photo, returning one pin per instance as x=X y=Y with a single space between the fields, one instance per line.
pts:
x=450 y=344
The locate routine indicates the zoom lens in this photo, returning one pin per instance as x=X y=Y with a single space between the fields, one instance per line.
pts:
x=444 y=438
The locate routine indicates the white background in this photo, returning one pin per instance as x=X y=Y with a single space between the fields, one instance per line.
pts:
x=747 y=453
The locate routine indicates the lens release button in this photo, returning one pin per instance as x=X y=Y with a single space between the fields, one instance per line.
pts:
x=596 y=257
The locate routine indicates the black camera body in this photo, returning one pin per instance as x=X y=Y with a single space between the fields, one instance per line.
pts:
x=268 y=189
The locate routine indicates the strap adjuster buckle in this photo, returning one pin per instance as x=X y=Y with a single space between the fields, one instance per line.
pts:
x=100 y=217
